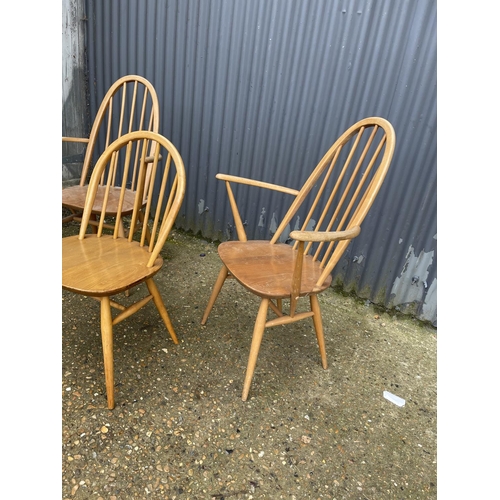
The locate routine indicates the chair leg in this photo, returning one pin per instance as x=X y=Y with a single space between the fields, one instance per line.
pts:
x=107 y=349
x=153 y=290
x=258 y=333
x=215 y=292
x=318 y=326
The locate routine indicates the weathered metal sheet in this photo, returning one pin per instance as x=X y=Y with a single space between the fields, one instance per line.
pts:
x=75 y=120
x=262 y=88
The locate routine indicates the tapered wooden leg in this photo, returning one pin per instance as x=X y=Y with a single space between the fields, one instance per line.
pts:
x=107 y=349
x=318 y=326
x=279 y=303
x=258 y=333
x=153 y=290
x=223 y=273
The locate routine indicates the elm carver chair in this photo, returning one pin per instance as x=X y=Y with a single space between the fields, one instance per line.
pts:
x=130 y=104
x=335 y=199
x=106 y=263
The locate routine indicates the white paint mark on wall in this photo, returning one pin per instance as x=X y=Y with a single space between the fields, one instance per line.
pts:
x=274 y=223
x=358 y=259
x=429 y=308
x=285 y=234
x=410 y=285
x=201 y=206
x=262 y=218
x=310 y=225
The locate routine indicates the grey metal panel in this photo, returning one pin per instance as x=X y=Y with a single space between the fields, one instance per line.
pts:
x=75 y=120
x=262 y=88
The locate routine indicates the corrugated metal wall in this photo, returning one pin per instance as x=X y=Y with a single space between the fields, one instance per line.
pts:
x=262 y=88
x=75 y=119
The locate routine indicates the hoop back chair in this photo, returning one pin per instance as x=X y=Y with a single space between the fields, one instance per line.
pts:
x=334 y=200
x=130 y=104
x=105 y=263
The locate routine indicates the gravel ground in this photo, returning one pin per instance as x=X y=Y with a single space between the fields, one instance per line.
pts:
x=181 y=431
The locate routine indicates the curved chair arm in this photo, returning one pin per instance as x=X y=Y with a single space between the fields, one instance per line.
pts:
x=312 y=236
x=326 y=236
x=249 y=182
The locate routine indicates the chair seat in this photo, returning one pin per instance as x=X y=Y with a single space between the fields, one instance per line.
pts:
x=104 y=266
x=74 y=197
x=267 y=269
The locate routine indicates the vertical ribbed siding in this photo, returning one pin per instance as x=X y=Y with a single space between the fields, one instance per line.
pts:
x=75 y=119
x=262 y=88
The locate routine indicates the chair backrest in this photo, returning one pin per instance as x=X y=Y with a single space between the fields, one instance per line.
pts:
x=340 y=191
x=130 y=104
x=164 y=189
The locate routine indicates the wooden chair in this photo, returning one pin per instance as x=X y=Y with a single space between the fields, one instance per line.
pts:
x=104 y=264
x=130 y=104
x=335 y=199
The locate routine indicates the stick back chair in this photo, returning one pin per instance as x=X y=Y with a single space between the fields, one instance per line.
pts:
x=105 y=263
x=130 y=104
x=334 y=200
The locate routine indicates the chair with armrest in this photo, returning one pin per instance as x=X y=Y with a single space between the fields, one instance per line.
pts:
x=335 y=200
